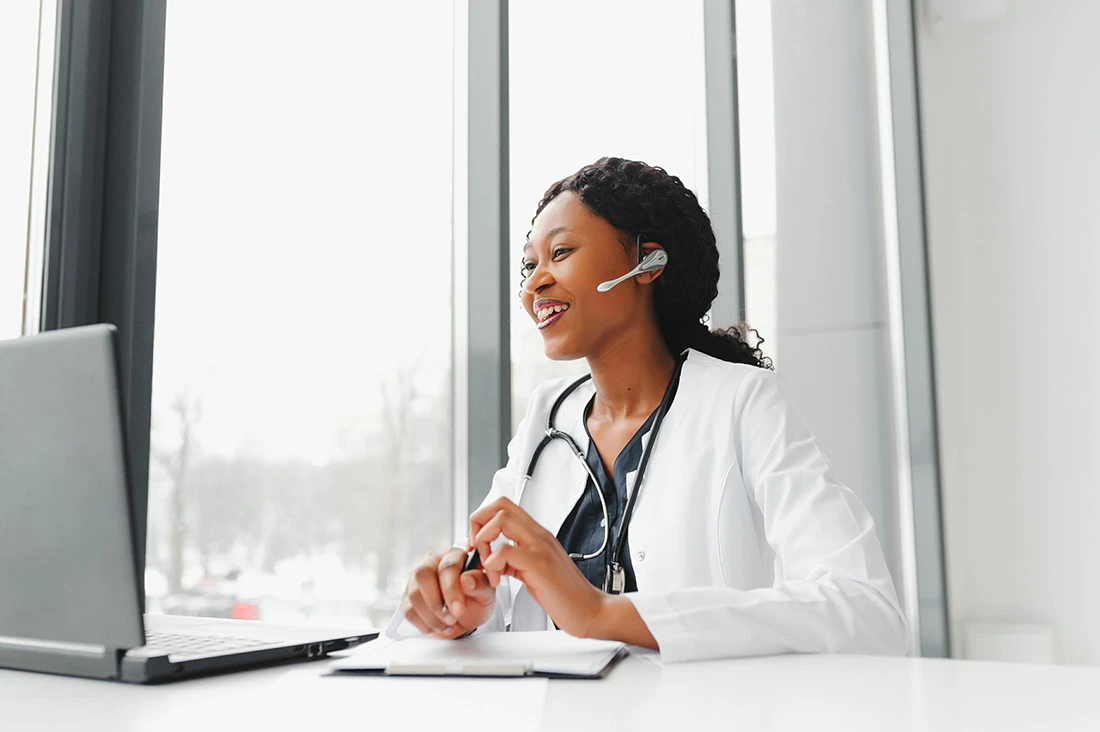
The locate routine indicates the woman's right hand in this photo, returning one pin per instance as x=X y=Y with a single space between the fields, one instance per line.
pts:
x=443 y=601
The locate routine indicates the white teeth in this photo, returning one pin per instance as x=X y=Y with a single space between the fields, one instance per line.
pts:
x=545 y=313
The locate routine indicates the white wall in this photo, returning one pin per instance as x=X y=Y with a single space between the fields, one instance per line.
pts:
x=1011 y=135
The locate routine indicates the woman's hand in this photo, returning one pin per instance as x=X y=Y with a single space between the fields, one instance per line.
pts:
x=444 y=602
x=539 y=561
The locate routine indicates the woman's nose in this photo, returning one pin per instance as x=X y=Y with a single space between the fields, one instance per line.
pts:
x=537 y=279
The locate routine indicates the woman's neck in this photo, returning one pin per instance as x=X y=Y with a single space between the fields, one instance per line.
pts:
x=630 y=376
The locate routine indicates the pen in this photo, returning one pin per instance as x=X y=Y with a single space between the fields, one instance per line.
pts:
x=473 y=561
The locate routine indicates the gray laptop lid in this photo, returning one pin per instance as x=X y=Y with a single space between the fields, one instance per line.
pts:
x=67 y=564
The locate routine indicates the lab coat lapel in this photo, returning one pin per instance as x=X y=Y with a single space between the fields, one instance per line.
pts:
x=559 y=475
x=668 y=432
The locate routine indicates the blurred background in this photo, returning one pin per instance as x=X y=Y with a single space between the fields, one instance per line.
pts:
x=317 y=210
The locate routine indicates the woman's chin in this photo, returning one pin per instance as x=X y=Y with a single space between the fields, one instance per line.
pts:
x=557 y=350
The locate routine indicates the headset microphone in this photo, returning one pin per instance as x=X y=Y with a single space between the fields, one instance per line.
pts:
x=654 y=261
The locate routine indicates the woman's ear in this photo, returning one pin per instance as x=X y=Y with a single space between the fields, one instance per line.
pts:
x=648 y=248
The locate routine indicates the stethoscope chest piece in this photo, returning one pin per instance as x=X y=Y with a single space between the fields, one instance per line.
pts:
x=614 y=581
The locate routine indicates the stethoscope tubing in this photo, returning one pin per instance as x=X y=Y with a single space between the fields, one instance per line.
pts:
x=551 y=433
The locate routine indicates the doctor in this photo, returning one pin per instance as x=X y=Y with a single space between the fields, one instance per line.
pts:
x=739 y=541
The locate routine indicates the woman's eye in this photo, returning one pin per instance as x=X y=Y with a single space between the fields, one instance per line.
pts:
x=526 y=267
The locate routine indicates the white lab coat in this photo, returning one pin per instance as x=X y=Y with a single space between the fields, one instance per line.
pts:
x=743 y=541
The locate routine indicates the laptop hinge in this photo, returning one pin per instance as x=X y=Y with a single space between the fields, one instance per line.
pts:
x=120 y=653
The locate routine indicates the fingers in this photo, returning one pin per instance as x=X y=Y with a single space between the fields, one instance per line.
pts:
x=478 y=519
x=450 y=567
x=471 y=591
x=424 y=598
x=430 y=592
x=481 y=516
x=410 y=614
x=428 y=618
x=502 y=516
x=510 y=521
x=477 y=588
x=507 y=560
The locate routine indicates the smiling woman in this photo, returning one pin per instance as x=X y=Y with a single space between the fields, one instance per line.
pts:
x=686 y=507
x=597 y=224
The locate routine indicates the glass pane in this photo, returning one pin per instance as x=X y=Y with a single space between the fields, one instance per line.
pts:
x=18 y=61
x=756 y=124
x=585 y=82
x=301 y=438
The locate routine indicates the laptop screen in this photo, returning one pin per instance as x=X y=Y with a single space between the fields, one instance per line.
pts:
x=68 y=570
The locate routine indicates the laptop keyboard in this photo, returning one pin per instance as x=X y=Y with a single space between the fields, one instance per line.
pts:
x=198 y=645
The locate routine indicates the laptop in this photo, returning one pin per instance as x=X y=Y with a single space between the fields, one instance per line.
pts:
x=71 y=588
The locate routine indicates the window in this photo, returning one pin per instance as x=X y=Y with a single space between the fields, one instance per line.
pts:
x=301 y=431
x=586 y=79
x=22 y=177
x=756 y=123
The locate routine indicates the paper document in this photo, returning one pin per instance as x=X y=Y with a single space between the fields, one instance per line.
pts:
x=491 y=654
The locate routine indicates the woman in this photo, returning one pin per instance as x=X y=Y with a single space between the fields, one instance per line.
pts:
x=741 y=540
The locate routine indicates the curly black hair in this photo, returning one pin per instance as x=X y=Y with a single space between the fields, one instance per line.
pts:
x=644 y=200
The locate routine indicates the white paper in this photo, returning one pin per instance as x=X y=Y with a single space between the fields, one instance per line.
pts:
x=547 y=651
x=399 y=628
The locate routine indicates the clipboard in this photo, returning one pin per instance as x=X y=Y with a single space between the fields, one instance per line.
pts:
x=549 y=653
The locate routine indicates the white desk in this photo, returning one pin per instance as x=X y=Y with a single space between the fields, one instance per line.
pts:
x=779 y=693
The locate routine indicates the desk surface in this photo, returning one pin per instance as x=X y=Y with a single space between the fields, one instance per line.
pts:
x=778 y=693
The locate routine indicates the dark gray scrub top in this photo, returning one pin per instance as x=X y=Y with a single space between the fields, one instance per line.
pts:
x=582 y=530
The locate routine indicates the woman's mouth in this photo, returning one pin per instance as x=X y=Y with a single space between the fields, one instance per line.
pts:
x=552 y=317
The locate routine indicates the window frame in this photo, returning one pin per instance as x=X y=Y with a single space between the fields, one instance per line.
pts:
x=100 y=251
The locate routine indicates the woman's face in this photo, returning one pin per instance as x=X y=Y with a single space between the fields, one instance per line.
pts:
x=569 y=252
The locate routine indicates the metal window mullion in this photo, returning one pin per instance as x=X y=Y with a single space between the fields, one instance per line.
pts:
x=916 y=324
x=131 y=203
x=488 y=348
x=70 y=288
x=723 y=164
x=103 y=197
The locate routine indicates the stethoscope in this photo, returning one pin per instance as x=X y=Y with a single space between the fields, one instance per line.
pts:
x=614 y=577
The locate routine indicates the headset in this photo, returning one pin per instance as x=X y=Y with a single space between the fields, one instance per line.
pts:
x=654 y=261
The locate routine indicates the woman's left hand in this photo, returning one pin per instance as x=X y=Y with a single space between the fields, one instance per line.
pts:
x=539 y=561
